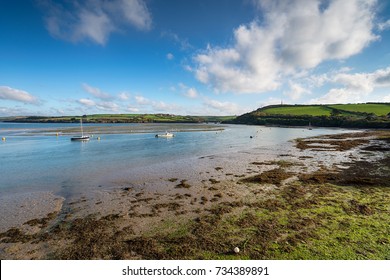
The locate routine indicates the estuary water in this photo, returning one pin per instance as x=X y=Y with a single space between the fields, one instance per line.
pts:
x=34 y=158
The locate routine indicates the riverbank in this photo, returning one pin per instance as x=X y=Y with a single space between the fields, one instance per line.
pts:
x=323 y=197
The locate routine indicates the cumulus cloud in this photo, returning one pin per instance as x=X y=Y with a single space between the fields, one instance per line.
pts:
x=296 y=91
x=94 y=20
x=8 y=93
x=294 y=35
x=355 y=87
x=223 y=107
x=189 y=92
x=96 y=92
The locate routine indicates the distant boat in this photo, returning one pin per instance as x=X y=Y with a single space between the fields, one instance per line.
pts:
x=82 y=137
x=165 y=135
x=309 y=128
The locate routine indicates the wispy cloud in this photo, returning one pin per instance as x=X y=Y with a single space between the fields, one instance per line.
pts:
x=94 y=20
x=101 y=105
x=87 y=102
x=96 y=92
x=8 y=93
x=123 y=96
x=295 y=35
x=384 y=25
x=170 y=56
x=182 y=42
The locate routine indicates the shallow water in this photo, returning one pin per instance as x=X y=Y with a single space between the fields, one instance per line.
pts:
x=34 y=160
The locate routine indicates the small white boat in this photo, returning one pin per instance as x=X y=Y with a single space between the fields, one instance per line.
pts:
x=82 y=137
x=165 y=135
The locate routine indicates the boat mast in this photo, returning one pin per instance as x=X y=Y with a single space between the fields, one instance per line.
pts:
x=81 y=124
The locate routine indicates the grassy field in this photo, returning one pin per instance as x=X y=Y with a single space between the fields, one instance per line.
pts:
x=326 y=110
x=299 y=110
x=368 y=115
x=377 y=109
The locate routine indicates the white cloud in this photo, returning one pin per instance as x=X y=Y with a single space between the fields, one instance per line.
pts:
x=228 y=108
x=108 y=106
x=384 y=25
x=338 y=95
x=160 y=106
x=8 y=93
x=103 y=105
x=296 y=91
x=96 y=92
x=135 y=12
x=123 y=96
x=94 y=20
x=355 y=87
x=170 y=56
x=294 y=35
x=182 y=42
x=189 y=92
x=132 y=109
x=142 y=100
x=87 y=102
x=192 y=93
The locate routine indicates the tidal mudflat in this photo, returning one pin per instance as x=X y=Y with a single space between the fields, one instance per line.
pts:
x=324 y=197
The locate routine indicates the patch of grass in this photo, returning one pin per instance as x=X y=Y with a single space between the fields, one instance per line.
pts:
x=299 y=110
x=377 y=109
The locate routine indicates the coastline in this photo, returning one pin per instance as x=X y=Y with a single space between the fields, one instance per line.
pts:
x=272 y=205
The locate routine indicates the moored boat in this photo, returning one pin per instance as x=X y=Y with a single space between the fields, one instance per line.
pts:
x=82 y=137
x=165 y=135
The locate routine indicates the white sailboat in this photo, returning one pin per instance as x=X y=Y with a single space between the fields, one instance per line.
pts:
x=82 y=137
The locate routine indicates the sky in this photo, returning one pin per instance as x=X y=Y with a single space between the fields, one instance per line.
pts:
x=190 y=57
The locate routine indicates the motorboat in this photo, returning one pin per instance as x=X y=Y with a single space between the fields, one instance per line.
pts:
x=165 y=135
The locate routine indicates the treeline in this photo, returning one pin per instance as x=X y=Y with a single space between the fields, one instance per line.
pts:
x=334 y=120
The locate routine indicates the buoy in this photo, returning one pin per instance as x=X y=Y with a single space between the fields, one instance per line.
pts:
x=236 y=250
x=98 y=138
x=57 y=134
x=3 y=139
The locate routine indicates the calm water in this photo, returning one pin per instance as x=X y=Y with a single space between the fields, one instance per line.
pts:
x=41 y=162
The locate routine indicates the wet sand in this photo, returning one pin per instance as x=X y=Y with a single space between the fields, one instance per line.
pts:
x=149 y=216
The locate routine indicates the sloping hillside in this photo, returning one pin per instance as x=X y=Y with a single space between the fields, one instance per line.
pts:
x=367 y=115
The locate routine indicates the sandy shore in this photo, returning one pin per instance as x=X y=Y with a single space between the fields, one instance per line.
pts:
x=206 y=199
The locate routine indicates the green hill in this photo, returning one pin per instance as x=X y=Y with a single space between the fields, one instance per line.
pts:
x=366 y=115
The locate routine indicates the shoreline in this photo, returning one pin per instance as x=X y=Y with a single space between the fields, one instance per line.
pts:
x=234 y=193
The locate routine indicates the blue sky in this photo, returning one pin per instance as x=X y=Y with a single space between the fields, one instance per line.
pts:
x=193 y=57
